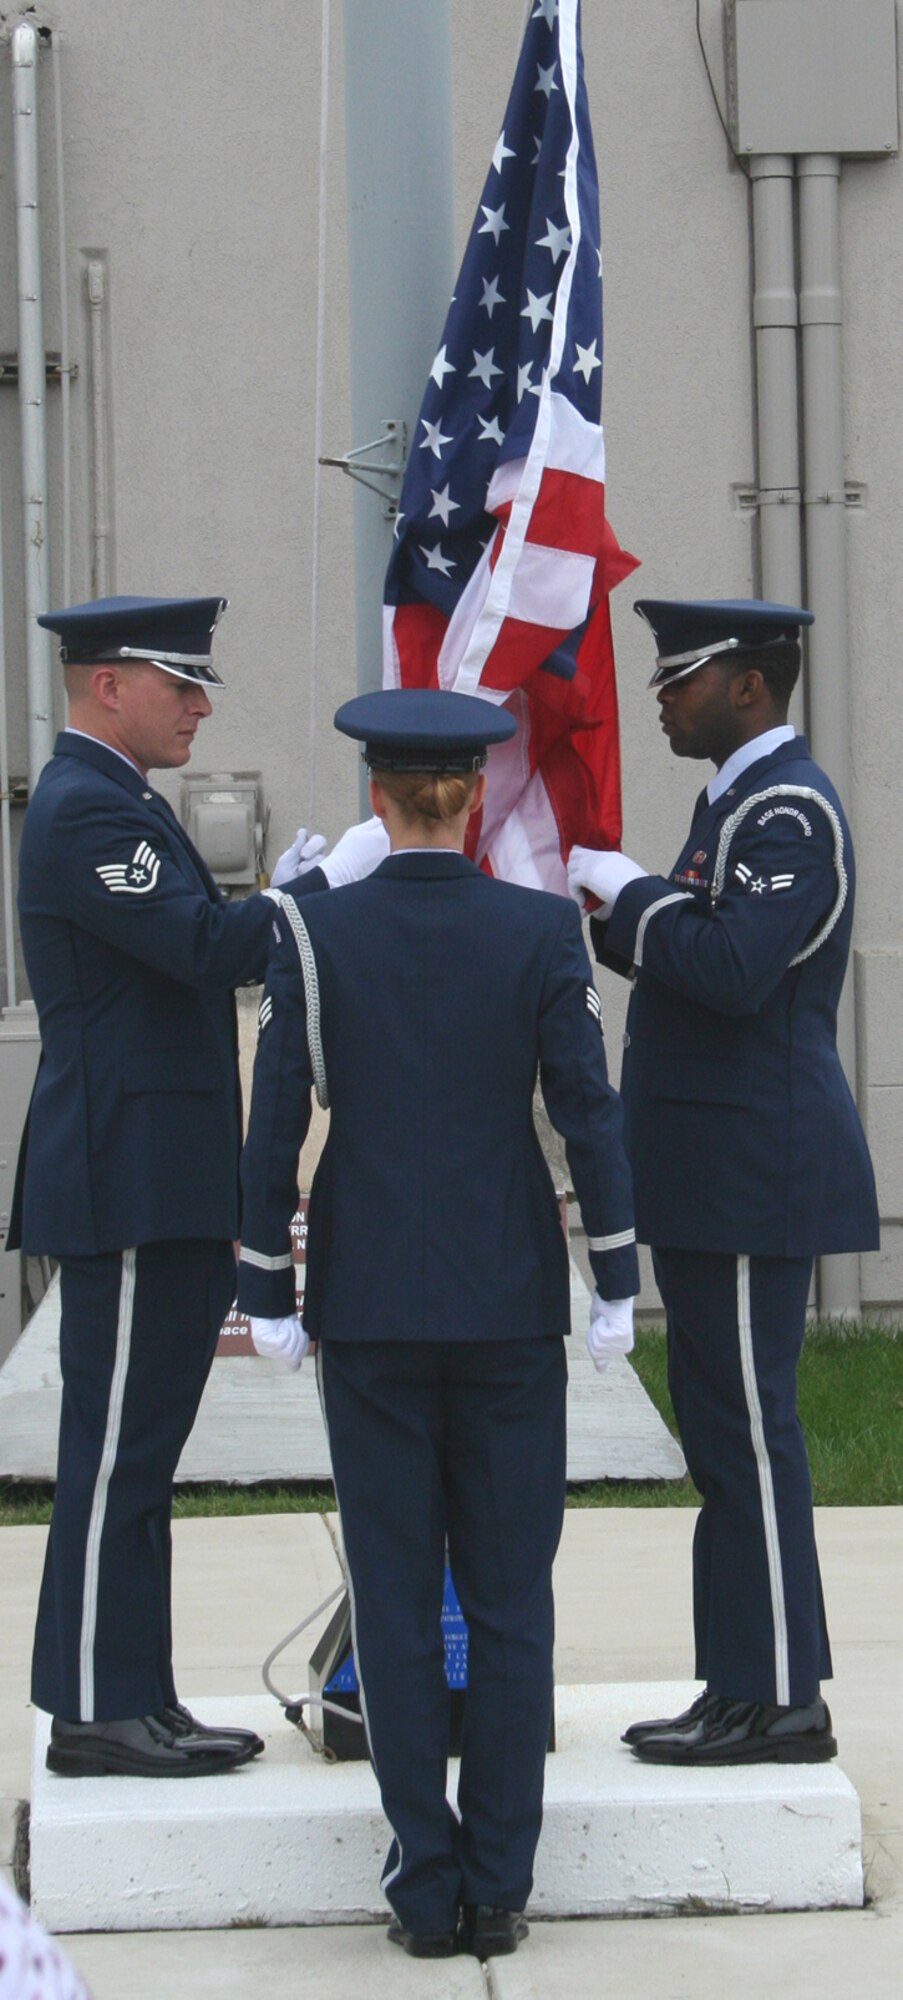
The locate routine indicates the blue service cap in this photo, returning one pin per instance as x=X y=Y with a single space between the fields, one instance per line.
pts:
x=688 y=634
x=176 y=633
x=424 y=729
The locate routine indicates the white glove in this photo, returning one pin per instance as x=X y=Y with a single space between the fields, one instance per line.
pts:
x=359 y=851
x=603 y=874
x=304 y=853
x=283 y=1340
x=610 y=1330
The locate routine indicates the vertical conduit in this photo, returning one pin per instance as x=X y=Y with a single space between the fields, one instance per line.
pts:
x=775 y=319
x=100 y=501
x=32 y=394
x=821 y=318
x=65 y=361
x=319 y=363
x=6 y=861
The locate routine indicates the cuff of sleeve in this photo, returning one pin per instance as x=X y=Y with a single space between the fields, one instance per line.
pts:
x=617 y=1272
x=265 y=1294
x=598 y=929
x=303 y=885
x=623 y=932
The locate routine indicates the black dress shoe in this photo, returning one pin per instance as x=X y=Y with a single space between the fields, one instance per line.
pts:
x=145 y=1746
x=487 y=1932
x=744 y=1732
x=183 y=1723
x=690 y=1716
x=423 y=1944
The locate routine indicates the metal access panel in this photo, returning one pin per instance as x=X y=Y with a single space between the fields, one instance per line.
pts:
x=222 y=813
x=812 y=76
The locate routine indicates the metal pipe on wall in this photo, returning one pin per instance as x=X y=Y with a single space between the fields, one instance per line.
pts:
x=101 y=529
x=775 y=319
x=400 y=247
x=821 y=316
x=65 y=360
x=32 y=397
x=6 y=862
x=821 y=319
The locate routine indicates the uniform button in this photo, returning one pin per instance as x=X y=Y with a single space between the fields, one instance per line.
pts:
x=626 y=1040
x=147 y=795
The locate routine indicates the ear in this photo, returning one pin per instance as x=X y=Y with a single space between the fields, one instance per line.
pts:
x=748 y=688
x=104 y=685
x=377 y=796
x=478 y=794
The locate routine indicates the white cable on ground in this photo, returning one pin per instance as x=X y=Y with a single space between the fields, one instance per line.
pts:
x=307 y=1700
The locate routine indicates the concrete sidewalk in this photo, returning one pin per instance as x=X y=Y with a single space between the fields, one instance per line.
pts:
x=622 y=1589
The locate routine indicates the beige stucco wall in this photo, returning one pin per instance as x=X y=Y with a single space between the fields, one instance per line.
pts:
x=191 y=147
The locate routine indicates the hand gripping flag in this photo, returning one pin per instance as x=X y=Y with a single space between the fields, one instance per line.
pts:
x=503 y=557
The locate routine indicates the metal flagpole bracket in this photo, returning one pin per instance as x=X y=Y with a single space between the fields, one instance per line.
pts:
x=53 y=366
x=380 y=476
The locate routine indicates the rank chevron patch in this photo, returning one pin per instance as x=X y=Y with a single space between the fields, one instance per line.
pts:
x=757 y=884
x=594 y=1004
x=133 y=878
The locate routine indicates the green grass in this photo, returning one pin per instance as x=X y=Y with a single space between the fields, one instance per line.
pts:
x=851 y=1404
x=27 y=1503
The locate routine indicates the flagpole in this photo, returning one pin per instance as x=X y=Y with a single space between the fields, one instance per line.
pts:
x=400 y=248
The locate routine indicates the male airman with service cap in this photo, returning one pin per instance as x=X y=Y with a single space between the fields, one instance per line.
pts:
x=747 y=1152
x=128 y=1172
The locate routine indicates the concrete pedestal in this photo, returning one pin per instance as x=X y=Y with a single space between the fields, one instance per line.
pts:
x=292 y=1840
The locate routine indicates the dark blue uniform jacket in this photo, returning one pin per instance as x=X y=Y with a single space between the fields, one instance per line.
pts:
x=741 y=1130
x=432 y=1213
x=134 y=1129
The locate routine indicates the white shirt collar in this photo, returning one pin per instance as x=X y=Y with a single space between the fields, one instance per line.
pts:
x=88 y=738
x=748 y=753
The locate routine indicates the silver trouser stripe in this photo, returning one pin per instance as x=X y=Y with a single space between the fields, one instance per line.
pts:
x=386 y=1879
x=618 y=1242
x=262 y=1263
x=311 y=995
x=679 y=896
x=766 y=1486
x=101 y=1489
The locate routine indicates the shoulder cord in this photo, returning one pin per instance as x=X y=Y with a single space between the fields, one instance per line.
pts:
x=311 y=992
x=794 y=792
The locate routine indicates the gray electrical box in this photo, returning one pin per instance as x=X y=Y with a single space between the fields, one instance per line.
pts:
x=812 y=76
x=221 y=810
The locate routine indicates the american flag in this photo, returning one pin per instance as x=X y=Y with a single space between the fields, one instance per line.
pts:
x=503 y=557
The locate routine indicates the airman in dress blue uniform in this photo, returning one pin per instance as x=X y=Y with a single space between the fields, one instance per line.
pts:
x=747 y=1152
x=128 y=1172
x=422 y=1002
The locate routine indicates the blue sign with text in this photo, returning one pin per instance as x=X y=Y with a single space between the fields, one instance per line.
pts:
x=454 y=1633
